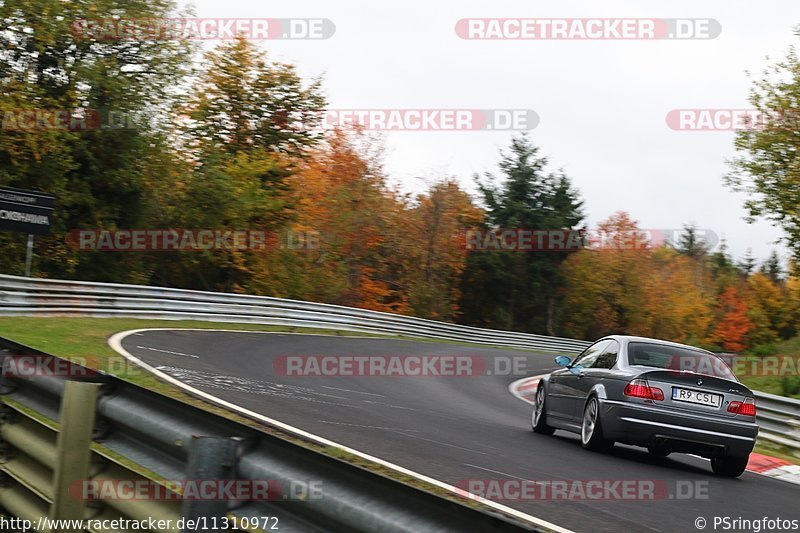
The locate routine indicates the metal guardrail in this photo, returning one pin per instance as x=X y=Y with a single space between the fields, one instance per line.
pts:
x=778 y=419
x=33 y=296
x=136 y=435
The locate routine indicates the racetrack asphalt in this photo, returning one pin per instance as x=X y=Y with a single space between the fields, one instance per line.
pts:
x=455 y=428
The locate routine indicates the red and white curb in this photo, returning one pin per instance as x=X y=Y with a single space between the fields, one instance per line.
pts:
x=525 y=390
x=774 y=467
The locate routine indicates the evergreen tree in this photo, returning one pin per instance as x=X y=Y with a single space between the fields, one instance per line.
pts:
x=691 y=243
x=520 y=290
x=772 y=267
x=748 y=262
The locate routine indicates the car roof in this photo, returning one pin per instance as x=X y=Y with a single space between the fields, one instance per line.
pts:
x=633 y=338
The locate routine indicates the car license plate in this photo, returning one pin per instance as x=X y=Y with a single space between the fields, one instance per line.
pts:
x=696 y=396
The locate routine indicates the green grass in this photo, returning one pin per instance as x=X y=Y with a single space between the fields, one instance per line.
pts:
x=785 y=385
x=765 y=447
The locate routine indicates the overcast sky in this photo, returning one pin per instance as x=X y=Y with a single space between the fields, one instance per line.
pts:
x=602 y=104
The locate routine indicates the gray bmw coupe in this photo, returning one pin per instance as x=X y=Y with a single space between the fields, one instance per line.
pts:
x=665 y=396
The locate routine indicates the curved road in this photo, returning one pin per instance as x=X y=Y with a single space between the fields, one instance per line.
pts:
x=452 y=428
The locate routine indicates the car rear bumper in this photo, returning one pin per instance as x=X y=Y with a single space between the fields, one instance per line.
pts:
x=643 y=425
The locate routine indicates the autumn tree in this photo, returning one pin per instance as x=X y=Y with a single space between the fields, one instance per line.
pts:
x=677 y=298
x=625 y=285
x=792 y=306
x=434 y=251
x=240 y=154
x=732 y=324
x=244 y=102
x=605 y=285
x=340 y=194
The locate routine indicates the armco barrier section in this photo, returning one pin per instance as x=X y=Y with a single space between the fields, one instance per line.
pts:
x=36 y=297
x=778 y=419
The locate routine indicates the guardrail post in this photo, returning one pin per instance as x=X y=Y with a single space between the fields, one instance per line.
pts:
x=211 y=458
x=73 y=449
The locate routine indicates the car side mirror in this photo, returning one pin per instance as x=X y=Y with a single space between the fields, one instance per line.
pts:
x=576 y=370
x=563 y=360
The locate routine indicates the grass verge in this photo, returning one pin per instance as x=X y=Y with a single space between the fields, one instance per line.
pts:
x=785 y=374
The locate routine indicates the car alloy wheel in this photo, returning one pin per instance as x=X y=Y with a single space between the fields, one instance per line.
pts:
x=592 y=437
x=539 y=416
x=539 y=409
x=589 y=421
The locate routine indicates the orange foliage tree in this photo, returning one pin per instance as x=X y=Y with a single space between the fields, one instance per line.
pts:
x=434 y=248
x=732 y=325
x=604 y=283
x=624 y=285
x=340 y=197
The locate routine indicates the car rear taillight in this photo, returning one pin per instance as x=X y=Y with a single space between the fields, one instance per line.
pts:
x=747 y=408
x=638 y=388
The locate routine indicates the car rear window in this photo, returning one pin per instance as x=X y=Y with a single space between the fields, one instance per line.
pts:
x=678 y=359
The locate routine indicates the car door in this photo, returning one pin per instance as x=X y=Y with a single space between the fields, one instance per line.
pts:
x=594 y=371
x=564 y=391
x=559 y=403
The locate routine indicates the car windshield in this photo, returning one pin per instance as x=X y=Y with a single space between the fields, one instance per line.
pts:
x=678 y=359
